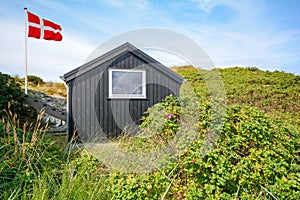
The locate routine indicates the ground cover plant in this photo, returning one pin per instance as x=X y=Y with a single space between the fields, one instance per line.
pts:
x=36 y=83
x=25 y=154
x=256 y=154
x=277 y=93
x=254 y=157
x=12 y=98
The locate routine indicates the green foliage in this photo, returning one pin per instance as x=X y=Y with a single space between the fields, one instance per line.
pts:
x=34 y=167
x=35 y=80
x=168 y=112
x=158 y=127
x=12 y=98
x=9 y=92
x=81 y=178
x=276 y=93
x=253 y=154
x=24 y=156
x=137 y=186
x=36 y=83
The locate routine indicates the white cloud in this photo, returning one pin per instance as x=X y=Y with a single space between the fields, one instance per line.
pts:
x=206 y=5
x=140 y=4
x=249 y=40
x=117 y=3
x=48 y=59
x=166 y=58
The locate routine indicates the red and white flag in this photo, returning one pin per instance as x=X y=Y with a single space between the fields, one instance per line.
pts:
x=42 y=28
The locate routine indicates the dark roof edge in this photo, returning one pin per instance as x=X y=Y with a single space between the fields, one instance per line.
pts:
x=126 y=47
x=159 y=66
x=75 y=72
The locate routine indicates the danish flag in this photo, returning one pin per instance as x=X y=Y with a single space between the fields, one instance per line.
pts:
x=42 y=28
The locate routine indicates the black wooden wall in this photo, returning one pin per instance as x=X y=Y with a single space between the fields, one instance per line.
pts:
x=92 y=114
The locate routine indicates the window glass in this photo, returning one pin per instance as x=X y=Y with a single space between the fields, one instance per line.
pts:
x=127 y=83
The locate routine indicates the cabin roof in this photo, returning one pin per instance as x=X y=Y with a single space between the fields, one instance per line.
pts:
x=124 y=48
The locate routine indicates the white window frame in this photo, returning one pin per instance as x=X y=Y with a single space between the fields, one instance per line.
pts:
x=127 y=96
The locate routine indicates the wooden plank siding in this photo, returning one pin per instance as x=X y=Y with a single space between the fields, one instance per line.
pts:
x=93 y=113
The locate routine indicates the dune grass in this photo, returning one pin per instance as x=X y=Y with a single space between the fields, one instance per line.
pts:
x=255 y=156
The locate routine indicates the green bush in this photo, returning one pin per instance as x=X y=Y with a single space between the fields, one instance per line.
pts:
x=254 y=156
x=163 y=119
x=34 y=79
x=9 y=92
x=12 y=99
x=276 y=93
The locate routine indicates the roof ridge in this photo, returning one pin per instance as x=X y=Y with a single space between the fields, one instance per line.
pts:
x=127 y=46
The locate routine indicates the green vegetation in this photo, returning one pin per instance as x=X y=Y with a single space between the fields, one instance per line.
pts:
x=35 y=80
x=256 y=154
x=12 y=98
x=276 y=93
x=36 y=83
x=25 y=154
x=34 y=167
x=254 y=157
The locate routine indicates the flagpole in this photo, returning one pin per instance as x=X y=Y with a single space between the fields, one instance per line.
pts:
x=26 y=80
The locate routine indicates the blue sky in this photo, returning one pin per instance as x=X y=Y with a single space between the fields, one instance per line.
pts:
x=260 y=33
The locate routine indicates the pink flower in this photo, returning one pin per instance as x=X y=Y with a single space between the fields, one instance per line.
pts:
x=289 y=137
x=169 y=116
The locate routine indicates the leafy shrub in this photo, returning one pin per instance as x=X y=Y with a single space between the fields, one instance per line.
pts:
x=254 y=156
x=276 y=93
x=35 y=79
x=163 y=119
x=12 y=98
x=9 y=92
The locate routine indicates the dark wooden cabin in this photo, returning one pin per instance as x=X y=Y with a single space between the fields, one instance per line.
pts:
x=114 y=90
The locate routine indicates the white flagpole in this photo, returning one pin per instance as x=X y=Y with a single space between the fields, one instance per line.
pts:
x=26 y=80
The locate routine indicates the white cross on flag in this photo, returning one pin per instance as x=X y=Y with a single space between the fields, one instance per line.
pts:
x=42 y=28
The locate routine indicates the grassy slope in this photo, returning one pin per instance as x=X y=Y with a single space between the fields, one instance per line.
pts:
x=277 y=93
x=50 y=88
x=252 y=159
x=255 y=157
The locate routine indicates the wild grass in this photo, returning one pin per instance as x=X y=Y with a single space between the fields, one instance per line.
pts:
x=50 y=88
x=24 y=153
x=34 y=167
x=37 y=84
x=256 y=155
x=276 y=93
x=80 y=178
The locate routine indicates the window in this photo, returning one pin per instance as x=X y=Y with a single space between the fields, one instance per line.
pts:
x=127 y=83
